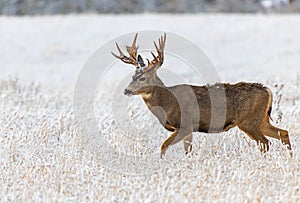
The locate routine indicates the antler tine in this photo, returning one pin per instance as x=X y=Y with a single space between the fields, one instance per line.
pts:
x=120 y=52
x=134 y=40
x=155 y=57
x=157 y=49
x=160 y=49
x=162 y=41
x=158 y=60
x=132 y=53
x=133 y=49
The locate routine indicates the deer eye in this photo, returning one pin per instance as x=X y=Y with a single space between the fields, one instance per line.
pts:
x=142 y=79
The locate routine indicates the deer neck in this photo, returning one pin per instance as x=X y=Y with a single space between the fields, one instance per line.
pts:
x=154 y=94
x=159 y=82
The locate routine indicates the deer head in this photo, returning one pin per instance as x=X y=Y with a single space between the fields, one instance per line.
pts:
x=145 y=76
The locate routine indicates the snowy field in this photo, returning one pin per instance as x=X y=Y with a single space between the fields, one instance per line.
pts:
x=43 y=158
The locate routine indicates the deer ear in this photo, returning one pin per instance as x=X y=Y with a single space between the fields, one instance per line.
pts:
x=141 y=61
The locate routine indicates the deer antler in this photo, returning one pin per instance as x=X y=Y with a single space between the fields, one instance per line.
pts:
x=159 y=59
x=131 y=59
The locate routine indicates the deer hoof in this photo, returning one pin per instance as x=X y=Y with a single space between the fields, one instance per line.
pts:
x=188 y=149
x=163 y=151
x=162 y=154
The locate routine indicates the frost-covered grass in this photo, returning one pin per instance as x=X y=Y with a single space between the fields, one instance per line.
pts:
x=42 y=157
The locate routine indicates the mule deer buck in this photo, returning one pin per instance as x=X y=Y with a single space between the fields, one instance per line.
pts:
x=184 y=109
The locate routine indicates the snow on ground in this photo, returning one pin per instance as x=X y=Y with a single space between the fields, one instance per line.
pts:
x=42 y=157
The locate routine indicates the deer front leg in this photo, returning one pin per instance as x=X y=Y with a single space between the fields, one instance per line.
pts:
x=175 y=137
x=187 y=143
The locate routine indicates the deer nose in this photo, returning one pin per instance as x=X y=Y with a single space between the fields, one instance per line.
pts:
x=128 y=92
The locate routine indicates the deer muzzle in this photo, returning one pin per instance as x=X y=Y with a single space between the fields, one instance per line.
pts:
x=128 y=92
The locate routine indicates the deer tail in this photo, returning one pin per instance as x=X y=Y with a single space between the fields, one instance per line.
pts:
x=270 y=103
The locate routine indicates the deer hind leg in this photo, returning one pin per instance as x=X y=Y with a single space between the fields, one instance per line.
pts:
x=175 y=137
x=256 y=134
x=271 y=131
x=187 y=143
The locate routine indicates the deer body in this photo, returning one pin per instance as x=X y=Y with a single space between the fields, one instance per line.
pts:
x=242 y=100
x=184 y=109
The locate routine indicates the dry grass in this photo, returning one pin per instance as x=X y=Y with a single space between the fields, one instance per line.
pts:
x=42 y=159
